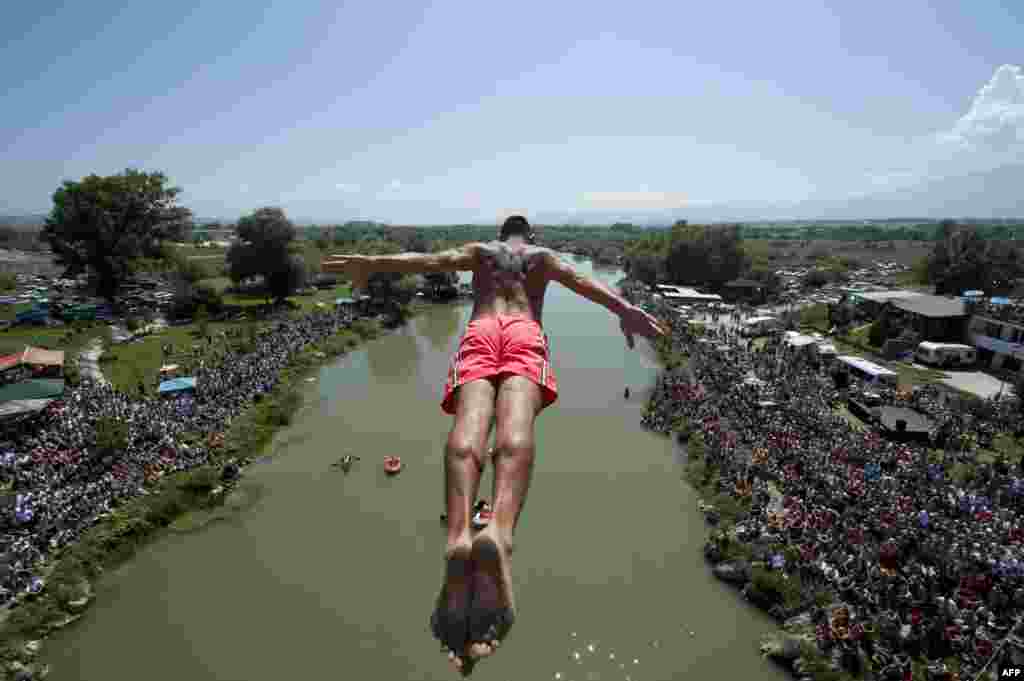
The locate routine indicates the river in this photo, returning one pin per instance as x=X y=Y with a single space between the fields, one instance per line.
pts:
x=334 y=576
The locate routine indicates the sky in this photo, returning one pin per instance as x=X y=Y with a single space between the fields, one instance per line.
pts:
x=453 y=111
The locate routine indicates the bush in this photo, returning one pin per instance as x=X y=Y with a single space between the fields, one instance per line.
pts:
x=201 y=481
x=8 y=281
x=877 y=334
x=282 y=408
x=72 y=374
x=111 y=435
x=775 y=587
x=815 y=316
x=366 y=329
x=132 y=324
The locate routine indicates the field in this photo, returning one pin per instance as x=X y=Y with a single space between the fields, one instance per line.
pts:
x=794 y=253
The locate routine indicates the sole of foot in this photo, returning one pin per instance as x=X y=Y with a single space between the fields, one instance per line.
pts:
x=492 y=612
x=450 y=620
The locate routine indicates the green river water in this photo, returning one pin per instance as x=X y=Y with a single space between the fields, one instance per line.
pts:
x=331 y=576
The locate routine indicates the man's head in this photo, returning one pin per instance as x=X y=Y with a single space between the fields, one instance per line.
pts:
x=516 y=226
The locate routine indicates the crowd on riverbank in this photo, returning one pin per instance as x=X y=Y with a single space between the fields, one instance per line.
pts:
x=59 y=483
x=898 y=554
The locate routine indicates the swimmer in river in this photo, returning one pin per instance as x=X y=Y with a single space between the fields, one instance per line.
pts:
x=502 y=372
x=626 y=393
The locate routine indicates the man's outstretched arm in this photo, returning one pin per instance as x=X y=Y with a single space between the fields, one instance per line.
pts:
x=360 y=267
x=632 y=319
x=581 y=284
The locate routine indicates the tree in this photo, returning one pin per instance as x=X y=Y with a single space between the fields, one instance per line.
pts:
x=709 y=255
x=644 y=267
x=111 y=435
x=878 y=332
x=264 y=249
x=962 y=260
x=102 y=223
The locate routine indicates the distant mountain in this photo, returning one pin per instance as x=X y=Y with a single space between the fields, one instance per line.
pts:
x=993 y=194
x=26 y=220
x=996 y=193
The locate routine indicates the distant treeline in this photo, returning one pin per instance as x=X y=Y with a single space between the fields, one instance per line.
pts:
x=878 y=230
x=924 y=231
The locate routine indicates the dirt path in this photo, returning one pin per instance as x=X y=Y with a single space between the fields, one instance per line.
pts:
x=89 y=362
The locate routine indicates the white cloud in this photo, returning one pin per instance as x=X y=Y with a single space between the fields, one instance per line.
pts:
x=396 y=184
x=348 y=188
x=995 y=121
x=989 y=135
x=244 y=188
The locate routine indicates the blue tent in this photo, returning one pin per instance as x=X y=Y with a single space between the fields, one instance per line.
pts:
x=1000 y=301
x=177 y=385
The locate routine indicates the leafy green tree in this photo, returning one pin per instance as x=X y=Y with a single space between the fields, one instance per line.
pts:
x=878 y=332
x=264 y=248
x=111 y=435
x=962 y=260
x=102 y=223
x=709 y=255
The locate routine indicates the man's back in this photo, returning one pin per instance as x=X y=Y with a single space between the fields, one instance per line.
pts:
x=510 y=277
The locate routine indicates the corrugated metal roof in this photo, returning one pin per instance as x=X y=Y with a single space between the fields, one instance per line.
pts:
x=32 y=389
x=932 y=306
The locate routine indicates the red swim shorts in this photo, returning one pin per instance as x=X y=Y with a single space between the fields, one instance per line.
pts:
x=497 y=346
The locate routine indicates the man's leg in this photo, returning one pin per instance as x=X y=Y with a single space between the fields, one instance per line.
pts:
x=493 y=610
x=464 y=452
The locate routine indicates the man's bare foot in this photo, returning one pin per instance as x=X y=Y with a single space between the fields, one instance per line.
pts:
x=492 y=611
x=450 y=619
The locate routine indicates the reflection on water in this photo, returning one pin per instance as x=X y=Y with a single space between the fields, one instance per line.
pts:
x=394 y=357
x=441 y=324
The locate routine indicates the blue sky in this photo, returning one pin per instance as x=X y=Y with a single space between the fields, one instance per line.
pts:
x=465 y=111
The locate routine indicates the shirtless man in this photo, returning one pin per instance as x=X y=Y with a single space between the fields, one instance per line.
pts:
x=501 y=372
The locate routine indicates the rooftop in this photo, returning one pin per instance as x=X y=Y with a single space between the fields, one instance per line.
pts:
x=931 y=306
x=886 y=296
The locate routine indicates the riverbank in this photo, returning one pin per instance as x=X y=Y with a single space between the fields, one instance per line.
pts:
x=180 y=501
x=735 y=561
x=879 y=559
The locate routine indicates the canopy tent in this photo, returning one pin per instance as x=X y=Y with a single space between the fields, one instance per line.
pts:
x=33 y=356
x=16 y=408
x=800 y=340
x=40 y=357
x=32 y=389
x=177 y=385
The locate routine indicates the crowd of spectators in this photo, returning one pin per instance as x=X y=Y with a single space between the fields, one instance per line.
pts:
x=59 y=482
x=922 y=545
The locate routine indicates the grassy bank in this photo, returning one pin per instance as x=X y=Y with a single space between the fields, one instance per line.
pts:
x=118 y=535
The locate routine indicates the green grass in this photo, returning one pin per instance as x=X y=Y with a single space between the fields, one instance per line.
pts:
x=218 y=284
x=10 y=312
x=126 y=364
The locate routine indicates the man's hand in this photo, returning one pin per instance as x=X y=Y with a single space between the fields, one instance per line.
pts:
x=355 y=267
x=633 y=320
